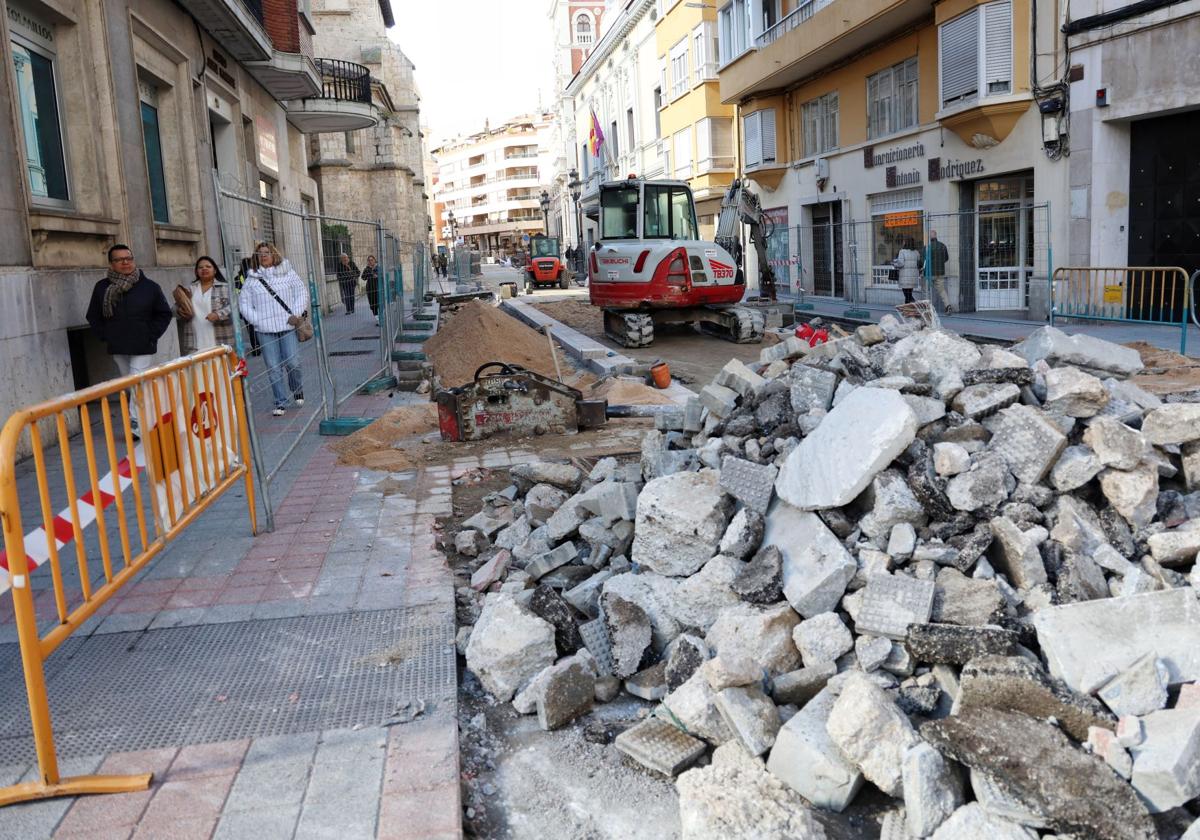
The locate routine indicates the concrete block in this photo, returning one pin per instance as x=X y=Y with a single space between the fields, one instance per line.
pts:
x=817 y=568
x=585 y=596
x=551 y=560
x=750 y=716
x=950 y=458
x=719 y=400
x=871 y=732
x=871 y=652
x=761 y=580
x=680 y=521
x=1075 y=467
x=806 y=759
x=737 y=377
x=1133 y=493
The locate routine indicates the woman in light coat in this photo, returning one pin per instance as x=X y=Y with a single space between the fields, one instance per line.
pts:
x=273 y=299
x=203 y=310
x=909 y=263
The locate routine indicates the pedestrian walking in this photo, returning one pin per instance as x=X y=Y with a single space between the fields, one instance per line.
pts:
x=936 y=257
x=273 y=300
x=239 y=282
x=908 y=264
x=347 y=275
x=371 y=276
x=203 y=309
x=129 y=313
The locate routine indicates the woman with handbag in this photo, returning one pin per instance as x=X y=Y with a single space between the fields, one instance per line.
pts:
x=347 y=275
x=203 y=309
x=908 y=265
x=275 y=301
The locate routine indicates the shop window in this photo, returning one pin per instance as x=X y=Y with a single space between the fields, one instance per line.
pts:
x=152 y=144
x=892 y=99
x=975 y=51
x=896 y=217
x=758 y=131
x=37 y=101
x=819 y=122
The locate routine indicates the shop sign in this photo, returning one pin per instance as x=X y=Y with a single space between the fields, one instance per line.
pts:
x=1114 y=294
x=954 y=170
x=30 y=26
x=907 y=218
x=894 y=178
x=872 y=158
x=216 y=64
x=268 y=151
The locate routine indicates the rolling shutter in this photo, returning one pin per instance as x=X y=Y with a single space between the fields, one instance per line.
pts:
x=753 y=139
x=997 y=33
x=960 y=58
x=768 y=135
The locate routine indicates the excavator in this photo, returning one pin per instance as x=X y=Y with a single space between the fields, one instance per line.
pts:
x=649 y=267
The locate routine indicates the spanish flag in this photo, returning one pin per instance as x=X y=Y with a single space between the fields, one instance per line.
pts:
x=595 y=137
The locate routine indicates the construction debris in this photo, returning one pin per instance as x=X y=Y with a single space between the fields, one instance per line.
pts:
x=963 y=575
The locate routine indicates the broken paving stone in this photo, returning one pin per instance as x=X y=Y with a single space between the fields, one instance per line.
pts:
x=1166 y=764
x=1103 y=743
x=744 y=534
x=545 y=563
x=1179 y=546
x=565 y=521
x=719 y=400
x=927 y=409
x=950 y=644
x=595 y=639
x=1173 y=423
x=872 y=651
x=763 y=635
x=750 y=716
x=751 y=484
x=649 y=683
x=738 y=377
x=491 y=571
x=684 y=658
x=933 y=789
x=1132 y=493
x=893 y=503
x=585 y=596
x=564 y=476
x=629 y=633
x=871 y=732
x=950 y=459
x=542 y=501
x=565 y=577
x=1075 y=467
x=811 y=388
x=610 y=501
x=660 y=746
x=822 y=638
x=1015 y=553
x=972 y=821
x=508 y=646
x=854 y=442
x=1115 y=444
x=1018 y=684
x=1084 y=351
x=1032 y=761
x=1074 y=393
x=761 y=580
x=1087 y=643
x=1028 y=442
x=959 y=599
x=1139 y=689
x=987 y=484
x=892 y=603
x=817 y=568
x=566 y=693
x=549 y=606
x=680 y=521
x=699 y=599
x=798 y=687
x=806 y=759
x=978 y=401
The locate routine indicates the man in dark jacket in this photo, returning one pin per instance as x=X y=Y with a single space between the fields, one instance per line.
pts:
x=129 y=313
x=936 y=257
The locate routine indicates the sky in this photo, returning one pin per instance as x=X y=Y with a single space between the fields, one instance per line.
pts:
x=476 y=60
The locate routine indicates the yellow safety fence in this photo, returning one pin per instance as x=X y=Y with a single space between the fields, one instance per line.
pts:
x=194 y=445
x=1134 y=294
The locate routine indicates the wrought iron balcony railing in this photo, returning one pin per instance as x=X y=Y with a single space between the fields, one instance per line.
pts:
x=344 y=80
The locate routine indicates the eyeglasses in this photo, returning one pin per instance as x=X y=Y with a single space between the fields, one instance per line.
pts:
x=122 y=259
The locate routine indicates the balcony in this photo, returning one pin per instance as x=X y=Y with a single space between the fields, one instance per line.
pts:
x=236 y=25
x=344 y=103
x=814 y=36
x=287 y=75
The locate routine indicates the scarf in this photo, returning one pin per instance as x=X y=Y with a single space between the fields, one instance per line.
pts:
x=119 y=284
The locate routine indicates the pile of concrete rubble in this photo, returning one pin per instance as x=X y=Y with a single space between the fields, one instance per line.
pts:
x=964 y=574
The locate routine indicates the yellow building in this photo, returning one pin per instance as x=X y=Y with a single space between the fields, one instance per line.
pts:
x=696 y=128
x=869 y=123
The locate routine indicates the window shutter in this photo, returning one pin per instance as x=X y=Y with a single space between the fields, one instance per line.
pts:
x=704 y=141
x=997 y=23
x=768 y=135
x=960 y=57
x=753 y=139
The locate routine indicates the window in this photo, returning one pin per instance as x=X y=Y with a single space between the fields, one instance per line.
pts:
x=770 y=14
x=585 y=157
x=819 y=124
x=37 y=100
x=681 y=153
x=896 y=217
x=629 y=129
x=583 y=29
x=349 y=142
x=266 y=193
x=679 y=69
x=976 y=54
x=612 y=138
x=152 y=143
x=669 y=213
x=758 y=130
x=618 y=212
x=714 y=144
x=658 y=103
x=892 y=99
x=704 y=51
x=734 y=28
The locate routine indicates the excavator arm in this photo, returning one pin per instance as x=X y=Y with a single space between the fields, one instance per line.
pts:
x=741 y=207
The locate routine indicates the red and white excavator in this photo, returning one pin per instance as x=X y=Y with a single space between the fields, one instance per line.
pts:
x=650 y=267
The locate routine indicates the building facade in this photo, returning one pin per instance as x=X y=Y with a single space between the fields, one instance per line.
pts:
x=492 y=182
x=119 y=114
x=866 y=126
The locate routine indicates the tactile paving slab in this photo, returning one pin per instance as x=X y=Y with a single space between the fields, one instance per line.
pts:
x=595 y=639
x=753 y=484
x=892 y=602
x=217 y=682
x=660 y=746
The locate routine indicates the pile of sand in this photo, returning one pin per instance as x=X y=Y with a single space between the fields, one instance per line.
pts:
x=579 y=315
x=374 y=446
x=629 y=392
x=1166 y=372
x=477 y=333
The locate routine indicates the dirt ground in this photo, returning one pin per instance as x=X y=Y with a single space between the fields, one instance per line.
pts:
x=1166 y=372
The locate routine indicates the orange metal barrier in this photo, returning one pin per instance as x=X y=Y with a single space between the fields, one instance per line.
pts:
x=1133 y=294
x=194 y=446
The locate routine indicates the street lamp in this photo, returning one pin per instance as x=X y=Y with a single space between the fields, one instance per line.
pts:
x=544 y=200
x=574 y=185
x=450 y=220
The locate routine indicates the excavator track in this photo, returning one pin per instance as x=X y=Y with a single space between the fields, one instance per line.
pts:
x=629 y=329
x=739 y=324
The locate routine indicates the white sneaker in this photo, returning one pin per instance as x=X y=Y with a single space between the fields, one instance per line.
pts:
x=278 y=412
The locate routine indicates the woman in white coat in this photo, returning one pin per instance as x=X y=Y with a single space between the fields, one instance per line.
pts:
x=909 y=263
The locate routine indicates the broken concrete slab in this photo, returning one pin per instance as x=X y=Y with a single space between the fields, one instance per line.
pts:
x=660 y=746
x=564 y=476
x=693 y=707
x=950 y=644
x=750 y=483
x=855 y=441
x=902 y=541
x=822 y=638
x=699 y=599
x=628 y=630
x=871 y=652
x=750 y=716
x=971 y=821
x=542 y=501
x=950 y=458
x=653 y=593
x=1086 y=644
x=1018 y=684
x=806 y=759
x=763 y=635
x=892 y=503
x=1085 y=351
x=1174 y=423
x=744 y=534
x=1074 y=393
x=1178 y=546
x=1115 y=444
x=978 y=401
x=871 y=732
x=761 y=580
x=817 y=568
x=680 y=521
x=1028 y=442
x=798 y=687
x=649 y=683
x=1075 y=467
x=959 y=599
x=1166 y=764
x=508 y=646
x=567 y=692
x=585 y=596
x=545 y=563
x=1034 y=762
x=933 y=789
x=892 y=603
x=811 y=388
x=1138 y=690
x=1132 y=493
x=987 y=484
x=1015 y=553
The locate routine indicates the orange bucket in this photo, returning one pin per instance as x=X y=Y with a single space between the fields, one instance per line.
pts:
x=661 y=374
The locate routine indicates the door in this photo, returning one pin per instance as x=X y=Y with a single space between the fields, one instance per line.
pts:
x=1004 y=243
x=1164 y=209
x=828 y=275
